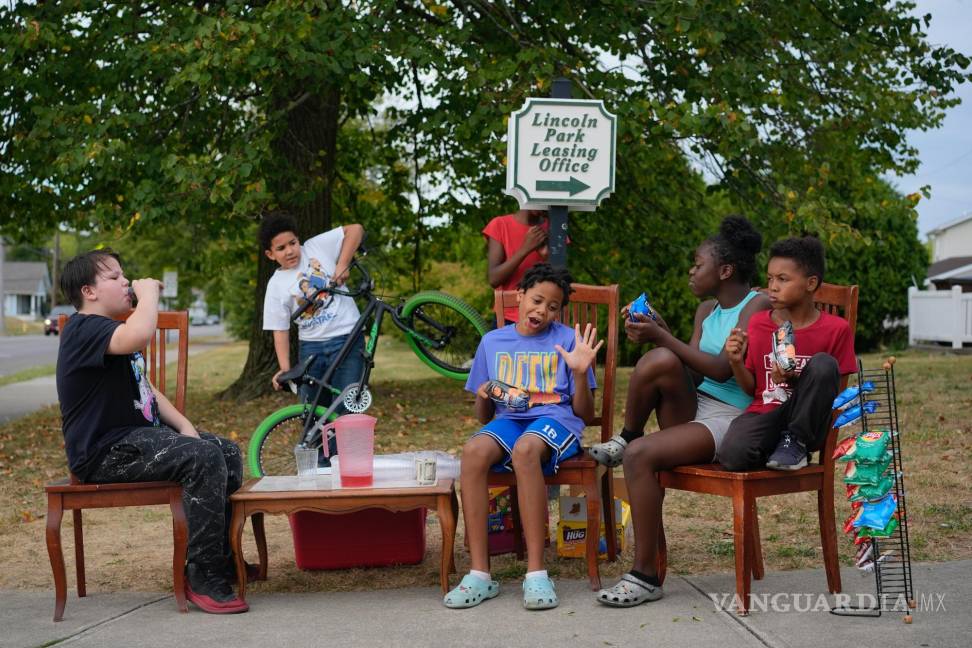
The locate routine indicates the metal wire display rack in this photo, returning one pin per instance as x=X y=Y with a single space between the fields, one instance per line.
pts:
x=891 y=555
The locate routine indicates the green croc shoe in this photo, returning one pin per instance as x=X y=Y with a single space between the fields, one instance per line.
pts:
x=539 y=594
x=470 y=592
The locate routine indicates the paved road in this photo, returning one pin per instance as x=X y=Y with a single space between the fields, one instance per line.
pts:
x=19 y=352
x=19 y=399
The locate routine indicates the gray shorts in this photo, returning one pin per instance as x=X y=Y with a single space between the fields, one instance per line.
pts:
x=716 y=416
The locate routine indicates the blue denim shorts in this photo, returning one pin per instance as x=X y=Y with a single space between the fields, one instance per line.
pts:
x=563 y=444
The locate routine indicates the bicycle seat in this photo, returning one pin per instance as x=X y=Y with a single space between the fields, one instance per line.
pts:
x=295 y=374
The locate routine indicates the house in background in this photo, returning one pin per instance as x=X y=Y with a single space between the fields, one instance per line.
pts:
x=951 y=246
x=26 y=286
x=942 y=314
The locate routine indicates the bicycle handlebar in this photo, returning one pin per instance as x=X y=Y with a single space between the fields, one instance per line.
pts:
x=364 y=287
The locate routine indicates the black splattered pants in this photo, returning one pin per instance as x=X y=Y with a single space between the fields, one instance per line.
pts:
x=209 y=469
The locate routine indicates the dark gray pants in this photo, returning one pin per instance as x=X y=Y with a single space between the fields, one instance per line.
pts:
x=209 y=469
x=753 y=437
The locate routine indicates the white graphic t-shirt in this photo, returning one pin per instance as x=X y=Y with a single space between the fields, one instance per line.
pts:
x=288 y=290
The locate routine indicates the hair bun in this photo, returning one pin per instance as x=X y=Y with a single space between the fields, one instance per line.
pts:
x=741 y=234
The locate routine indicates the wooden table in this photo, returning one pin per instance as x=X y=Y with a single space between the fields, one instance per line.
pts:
x=249 y=503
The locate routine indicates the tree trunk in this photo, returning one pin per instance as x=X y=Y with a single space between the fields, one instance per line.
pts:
x=307 y=149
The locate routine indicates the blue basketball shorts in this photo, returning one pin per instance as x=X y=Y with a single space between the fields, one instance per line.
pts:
x=563 y=444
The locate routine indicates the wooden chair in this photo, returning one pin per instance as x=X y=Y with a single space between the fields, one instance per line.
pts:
x=70 y=494
x=582 y=470
x=745 y=487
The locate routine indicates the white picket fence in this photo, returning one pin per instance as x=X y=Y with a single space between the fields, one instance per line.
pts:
x=939 y=316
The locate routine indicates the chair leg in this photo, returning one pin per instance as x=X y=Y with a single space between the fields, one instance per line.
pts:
x=180 y=544
x=661 y=558
x=828 y=536
x=593 y=531
x=607 y=504
x=260 y=535
x=517 y=525
x=79 y=553
x=741 y=531
x=55 y=511
x=756 y=545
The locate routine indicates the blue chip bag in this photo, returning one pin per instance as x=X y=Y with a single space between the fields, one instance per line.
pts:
x=876 y=515
x=642 y=306
x=849 y=396
x=851 y=414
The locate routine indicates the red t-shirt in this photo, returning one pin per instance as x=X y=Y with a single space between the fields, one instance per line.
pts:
x=510 y=234
x=829 y=334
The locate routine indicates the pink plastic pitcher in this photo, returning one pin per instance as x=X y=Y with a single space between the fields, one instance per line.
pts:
x=356 y=446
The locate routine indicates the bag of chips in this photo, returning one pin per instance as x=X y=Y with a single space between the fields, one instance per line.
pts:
x=843 y=447
x=891 y=527
x=870 y=492
x=784 y=349
x=642 y=306
x=851 y=414
x=866 y=472
x=848 y=397
x=876 y=515
x=870 y=446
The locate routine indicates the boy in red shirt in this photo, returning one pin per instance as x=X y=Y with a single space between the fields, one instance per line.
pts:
x=790 y=412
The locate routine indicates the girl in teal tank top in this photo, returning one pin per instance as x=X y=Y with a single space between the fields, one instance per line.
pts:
x=690 y=389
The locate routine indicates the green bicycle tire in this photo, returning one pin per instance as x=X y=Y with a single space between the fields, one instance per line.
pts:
x=264 y=441
x=461 y=314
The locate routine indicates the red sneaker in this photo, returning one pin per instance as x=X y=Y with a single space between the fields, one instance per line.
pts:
x=211 y=593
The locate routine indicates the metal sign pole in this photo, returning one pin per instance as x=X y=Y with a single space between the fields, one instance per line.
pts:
x=557 y=238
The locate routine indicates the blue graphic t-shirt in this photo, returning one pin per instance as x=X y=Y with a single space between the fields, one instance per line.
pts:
x=532 y=364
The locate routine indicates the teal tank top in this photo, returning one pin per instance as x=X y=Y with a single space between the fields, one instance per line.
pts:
x=715 y=329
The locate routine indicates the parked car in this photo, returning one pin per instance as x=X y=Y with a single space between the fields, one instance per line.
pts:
x=212 y=319
x=50 y=322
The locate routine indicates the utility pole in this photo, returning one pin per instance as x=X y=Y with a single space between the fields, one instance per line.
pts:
x=55 y=271
x=3 y=293
x=557 y=236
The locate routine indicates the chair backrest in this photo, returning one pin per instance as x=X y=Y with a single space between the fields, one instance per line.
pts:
x=599 y=306
x=842 y=302
x=155 y=355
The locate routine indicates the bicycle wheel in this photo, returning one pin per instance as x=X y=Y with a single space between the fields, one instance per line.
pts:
x=271 y=449
x=446 y=333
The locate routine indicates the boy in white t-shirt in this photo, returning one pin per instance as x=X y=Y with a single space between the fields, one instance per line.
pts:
x=324 y=327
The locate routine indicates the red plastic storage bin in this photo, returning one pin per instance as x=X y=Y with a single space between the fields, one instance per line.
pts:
x=369 y=538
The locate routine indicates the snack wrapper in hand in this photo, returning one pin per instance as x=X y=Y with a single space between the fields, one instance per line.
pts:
x=870 y=492
x=868 y=447
x=784 y=350
x=848 y=397
x=509 y=396
x=642 y=306
x=876 y=515
x=851 y=414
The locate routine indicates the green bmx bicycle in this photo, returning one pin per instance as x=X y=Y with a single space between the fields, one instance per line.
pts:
x=442 y=330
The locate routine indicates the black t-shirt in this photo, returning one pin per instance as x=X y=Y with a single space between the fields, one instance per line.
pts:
x=103 y=397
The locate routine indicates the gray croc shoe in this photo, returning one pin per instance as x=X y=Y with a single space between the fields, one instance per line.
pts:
x=629 y=592
x=470 y=592
x=611 y=452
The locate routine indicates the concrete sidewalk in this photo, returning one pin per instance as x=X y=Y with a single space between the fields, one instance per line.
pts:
x=686 y=617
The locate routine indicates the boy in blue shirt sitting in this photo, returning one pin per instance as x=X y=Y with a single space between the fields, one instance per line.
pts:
x=552 y=364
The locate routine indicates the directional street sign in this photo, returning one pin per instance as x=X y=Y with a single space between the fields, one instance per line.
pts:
x=561 y=152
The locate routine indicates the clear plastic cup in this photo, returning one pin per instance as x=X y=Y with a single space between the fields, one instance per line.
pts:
x=306 y=459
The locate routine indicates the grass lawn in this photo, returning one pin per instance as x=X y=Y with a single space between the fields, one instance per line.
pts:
x=129 y=549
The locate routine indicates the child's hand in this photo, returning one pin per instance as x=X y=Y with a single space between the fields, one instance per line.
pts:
x=736 y=345
x=779 y=376
x=643 y=329
x=535 y=238
x=585 y=349
x=147 y=290
x=481 y=392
